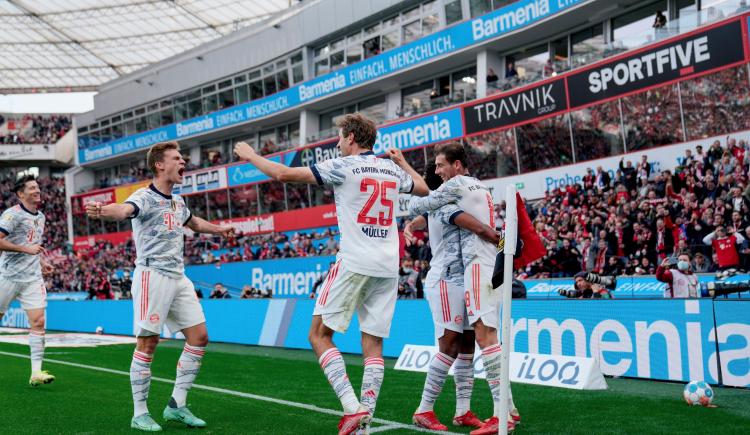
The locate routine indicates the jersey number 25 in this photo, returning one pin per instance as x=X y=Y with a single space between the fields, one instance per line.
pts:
x=379 y=189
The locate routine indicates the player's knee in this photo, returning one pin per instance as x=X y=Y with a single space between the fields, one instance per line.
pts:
x=201 y=340
x=36 y=323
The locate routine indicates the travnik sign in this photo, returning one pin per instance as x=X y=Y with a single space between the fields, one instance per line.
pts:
x=576 y=373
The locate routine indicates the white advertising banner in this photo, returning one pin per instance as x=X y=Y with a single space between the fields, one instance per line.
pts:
x=27 y=152
x=571 y=372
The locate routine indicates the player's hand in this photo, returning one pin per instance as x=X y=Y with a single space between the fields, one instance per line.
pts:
x=396 y=156
x=409 y=238
x=665 y=262
x=47 y=269
x=33 y=249
x=244 y=151
x=226 y=231
x=94 y=210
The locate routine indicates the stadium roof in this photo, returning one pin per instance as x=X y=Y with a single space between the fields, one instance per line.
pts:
x=79 y=44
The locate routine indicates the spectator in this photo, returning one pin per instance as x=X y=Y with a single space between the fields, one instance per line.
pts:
x=219 y=292
x=247 y=292
x=725 y=247
x=701 y=264
x=681 y=282
x=659 y=21
x=491 y=76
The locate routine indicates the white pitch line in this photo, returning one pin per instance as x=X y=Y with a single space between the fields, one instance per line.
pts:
x=390 y=424
x=385 y=428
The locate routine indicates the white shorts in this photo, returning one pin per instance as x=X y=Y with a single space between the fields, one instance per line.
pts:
x=446 y=299
x=482 y=300
x=159 y=299
x=32 y=295
x=343 y=292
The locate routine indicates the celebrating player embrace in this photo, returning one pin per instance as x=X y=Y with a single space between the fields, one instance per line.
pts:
x=161 y=291
x=21 y=268
x=483 y=301
x=365 y=276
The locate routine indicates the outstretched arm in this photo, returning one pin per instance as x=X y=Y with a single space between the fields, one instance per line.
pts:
x=110 y=212
x=277 y=171
x=200 y=225
x=450 y=193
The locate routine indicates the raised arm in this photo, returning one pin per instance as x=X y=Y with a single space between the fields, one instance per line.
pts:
x=110 y=212
x=200 y=225
x=277 y=171
x=420 y=186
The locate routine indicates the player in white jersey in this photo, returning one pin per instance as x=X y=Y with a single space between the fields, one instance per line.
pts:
x=445 y=293
x=483 y=301
x=365 y=276
x=21 y=268
x=161 y=291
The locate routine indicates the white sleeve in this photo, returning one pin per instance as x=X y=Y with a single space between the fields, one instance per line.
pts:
x=329 y=173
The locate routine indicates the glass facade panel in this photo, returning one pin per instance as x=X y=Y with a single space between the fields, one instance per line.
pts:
x=652 y=118
x=716 y=104
x=218 y=204
x=597 y=131
x=244 y=201
x=197 y=204
x=493 y=154
x=544 y=144
x=638 y=27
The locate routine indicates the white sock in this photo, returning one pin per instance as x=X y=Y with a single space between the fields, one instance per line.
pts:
x=36 y=346
x=335 y=370
x=492 y=366
x=372 y=379
x=463 y=375
x=140 y=381
x=188 y=367
x=433 y=385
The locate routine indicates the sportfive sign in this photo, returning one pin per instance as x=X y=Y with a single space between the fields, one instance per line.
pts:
x=692 y=54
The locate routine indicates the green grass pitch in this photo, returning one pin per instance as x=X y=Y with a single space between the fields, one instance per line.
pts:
x=87 y=401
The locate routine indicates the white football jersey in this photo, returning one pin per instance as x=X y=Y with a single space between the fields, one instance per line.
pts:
x=445 y=244
x=471 y=196
x=24 y=228
x=157 y=230
x=366 y=190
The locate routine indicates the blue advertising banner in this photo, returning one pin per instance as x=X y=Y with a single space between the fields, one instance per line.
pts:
x=628 y=287
x=426 y=130
x=492 y=25
x=654 y=339
x=287 y=278
x=247 y=173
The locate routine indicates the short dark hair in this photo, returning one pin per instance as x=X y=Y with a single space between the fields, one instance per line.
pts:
x=432 y=179
x=362 y=127
x=453 y=151
x=21 y=183
x=156 y=153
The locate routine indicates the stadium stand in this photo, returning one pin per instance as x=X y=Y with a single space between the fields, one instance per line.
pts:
x=18 y=129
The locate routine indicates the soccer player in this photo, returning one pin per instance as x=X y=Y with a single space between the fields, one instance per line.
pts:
x=161 y=291
x=483 y=302
x=445 y=294
x=365 y=276
x=21 y=268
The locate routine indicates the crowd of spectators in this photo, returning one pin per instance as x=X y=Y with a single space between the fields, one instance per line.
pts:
x=622 y=222
x=248 y=247
x=33 y=129
x=629 y=222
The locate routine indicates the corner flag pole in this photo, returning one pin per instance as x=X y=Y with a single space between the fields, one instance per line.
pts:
x=511 y=237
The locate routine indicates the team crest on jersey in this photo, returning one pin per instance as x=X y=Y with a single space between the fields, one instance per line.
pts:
x=154 y=318
x=459 y=319
x=8 y=217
